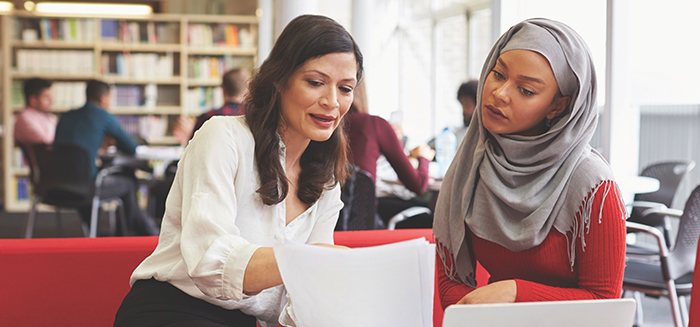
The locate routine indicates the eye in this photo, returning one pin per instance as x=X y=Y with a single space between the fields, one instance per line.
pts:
x=526 y=92
x=498 y=74
x=345 y=89
x=313 y=82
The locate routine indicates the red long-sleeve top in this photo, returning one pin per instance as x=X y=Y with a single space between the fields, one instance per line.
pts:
x=371 y=136
x=543 y=273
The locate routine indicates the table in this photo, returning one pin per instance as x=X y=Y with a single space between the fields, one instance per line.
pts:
x=633 y=184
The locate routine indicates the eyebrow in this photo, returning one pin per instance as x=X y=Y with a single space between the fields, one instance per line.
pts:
x=527 y=78
x=353 y=79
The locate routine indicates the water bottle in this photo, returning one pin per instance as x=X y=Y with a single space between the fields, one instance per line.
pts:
x=445 y=148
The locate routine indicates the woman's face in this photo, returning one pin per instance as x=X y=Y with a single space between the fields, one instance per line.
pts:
x=519 y=94
x=317 y=96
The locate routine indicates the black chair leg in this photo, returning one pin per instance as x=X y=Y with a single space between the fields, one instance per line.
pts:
x=29 y=226
x=59 y=222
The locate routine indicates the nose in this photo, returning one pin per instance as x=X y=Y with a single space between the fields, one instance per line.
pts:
x=330 y=99
x=501 y=92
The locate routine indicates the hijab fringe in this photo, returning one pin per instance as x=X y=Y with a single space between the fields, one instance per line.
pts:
x=582 y=223
x=450 y=269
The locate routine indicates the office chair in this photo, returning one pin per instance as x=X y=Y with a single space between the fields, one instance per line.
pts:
x=360 y=203
x=671 y=275
x=670 y=174
x=60 y=174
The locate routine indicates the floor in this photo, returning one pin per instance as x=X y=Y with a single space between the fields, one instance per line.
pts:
x=657 y=312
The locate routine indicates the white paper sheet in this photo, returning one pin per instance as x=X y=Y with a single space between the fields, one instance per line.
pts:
x=388 y=285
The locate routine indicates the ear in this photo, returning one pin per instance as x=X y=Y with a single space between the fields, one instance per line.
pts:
x=559 y=106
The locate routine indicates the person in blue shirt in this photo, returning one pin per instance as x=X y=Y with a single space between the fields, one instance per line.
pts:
x=87 y=127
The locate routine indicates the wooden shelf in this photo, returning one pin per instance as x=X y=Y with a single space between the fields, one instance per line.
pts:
x=204 y=82
x=20 y=171
x=110 y=79
x=220 y=51
x=93 y=49
x=52 y=44
x=53 y=76
x=158 y=110
x=145 y=47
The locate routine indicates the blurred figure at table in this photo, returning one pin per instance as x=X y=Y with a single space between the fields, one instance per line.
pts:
x=371 y=137
x=35 y=124
x=466 y=95
x=87 y=127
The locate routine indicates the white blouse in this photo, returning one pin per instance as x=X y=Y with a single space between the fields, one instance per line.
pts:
x=214 y=221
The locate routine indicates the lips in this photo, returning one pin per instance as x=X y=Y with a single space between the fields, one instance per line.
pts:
x=323 y=121
x=493 y=111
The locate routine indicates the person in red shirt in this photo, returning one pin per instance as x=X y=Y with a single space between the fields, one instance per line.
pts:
x=527 y=197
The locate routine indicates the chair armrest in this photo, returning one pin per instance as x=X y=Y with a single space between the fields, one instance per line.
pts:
x=641 y=228
x=663 y=212
x=104 y=172
x=405 y=214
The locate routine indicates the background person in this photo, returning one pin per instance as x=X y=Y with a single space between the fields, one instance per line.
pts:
x=35 y=124
x=246 y=183
x=88 y=127
x=529 y=198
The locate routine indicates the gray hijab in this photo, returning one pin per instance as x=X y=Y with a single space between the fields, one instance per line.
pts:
x=512 y=189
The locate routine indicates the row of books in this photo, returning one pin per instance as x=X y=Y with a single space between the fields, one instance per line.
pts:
x=206 y=67
x=201 y=99
x=68 y=95
x=135 y=95
x=68 y=62
x=138 y=65
x=145 y=127
x=18 y=160
x=140 y=32
x=21 y=189
x=220 y=35
x=78 y=30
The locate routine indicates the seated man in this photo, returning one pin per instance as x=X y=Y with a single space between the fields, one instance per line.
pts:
x=87 y=127
x=35 y=124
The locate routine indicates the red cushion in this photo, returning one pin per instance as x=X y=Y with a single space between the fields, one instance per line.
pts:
x=82 y=281
x=67 y=281
x=694 y=311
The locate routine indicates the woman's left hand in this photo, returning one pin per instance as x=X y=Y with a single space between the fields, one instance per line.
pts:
x=503 y=291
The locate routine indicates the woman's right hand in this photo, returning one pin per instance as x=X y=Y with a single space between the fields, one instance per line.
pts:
x=423 y=151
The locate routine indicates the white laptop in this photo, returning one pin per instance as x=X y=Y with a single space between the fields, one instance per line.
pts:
x=587 y=313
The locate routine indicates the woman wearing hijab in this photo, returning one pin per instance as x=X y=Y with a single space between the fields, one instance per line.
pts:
x=526 y=195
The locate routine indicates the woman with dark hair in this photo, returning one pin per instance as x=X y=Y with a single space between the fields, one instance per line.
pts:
x=526 y=195
x=247 y=183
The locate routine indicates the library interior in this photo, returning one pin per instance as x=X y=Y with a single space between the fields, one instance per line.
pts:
x=101 y=98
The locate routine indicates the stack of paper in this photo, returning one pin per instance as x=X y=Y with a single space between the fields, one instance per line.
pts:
x=388 y=285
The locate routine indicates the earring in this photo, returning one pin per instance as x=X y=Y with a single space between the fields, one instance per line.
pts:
x=548 y=123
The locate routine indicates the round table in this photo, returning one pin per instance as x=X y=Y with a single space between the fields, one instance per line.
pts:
x=633 y=184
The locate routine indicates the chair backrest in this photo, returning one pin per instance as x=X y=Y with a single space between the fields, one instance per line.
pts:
x=670 y=174
x=359 y=198
x=682 y=259
x=64 y=172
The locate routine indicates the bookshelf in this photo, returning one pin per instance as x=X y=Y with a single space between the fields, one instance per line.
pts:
x=161 y=67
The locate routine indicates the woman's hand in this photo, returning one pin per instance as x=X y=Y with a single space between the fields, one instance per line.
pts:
x=504 y=291
x=423 y=151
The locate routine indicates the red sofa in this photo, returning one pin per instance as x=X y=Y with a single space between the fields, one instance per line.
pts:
x=81 y=281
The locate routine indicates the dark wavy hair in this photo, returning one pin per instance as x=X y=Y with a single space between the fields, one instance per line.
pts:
x=323 y=164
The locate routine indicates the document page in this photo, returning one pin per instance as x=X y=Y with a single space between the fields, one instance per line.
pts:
x=387 y=285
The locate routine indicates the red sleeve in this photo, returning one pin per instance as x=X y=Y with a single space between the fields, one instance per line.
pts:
x=415 y=180
x=450 y=291
x=601 y=264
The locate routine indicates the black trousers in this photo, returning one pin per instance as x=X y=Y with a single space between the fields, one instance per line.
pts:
x=125 y=187
x=151 y=303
